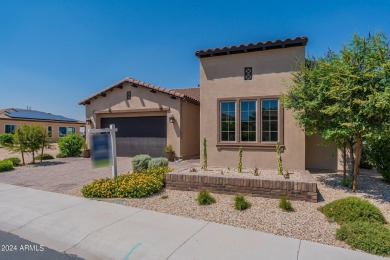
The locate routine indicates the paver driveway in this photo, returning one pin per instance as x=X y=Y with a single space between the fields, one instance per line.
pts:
x=64 y=174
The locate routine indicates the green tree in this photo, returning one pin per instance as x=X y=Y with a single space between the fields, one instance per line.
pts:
x=35 y=138
x=344 y=97
x=19 y=144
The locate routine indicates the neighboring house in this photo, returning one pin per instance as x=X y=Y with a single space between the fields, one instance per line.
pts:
x=240 y=107
x=55 y=125
x=148 y=117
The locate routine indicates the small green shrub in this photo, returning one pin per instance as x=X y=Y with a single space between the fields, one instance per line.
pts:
x=205 y=198
x=44 y=156
x=71 y=145
x=15 y=160
x=158 y=162
x=164 y=197
x=285 y=204
x=373 y=238
x=130 y=185
x=6 y=140
x=344 y=183
x=60 y=155
x=352 y=209
x=241 y=203
x=140 y=162
x=6 y=165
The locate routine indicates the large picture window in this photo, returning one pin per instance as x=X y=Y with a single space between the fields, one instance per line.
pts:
x=10 y=129
x=269 y=120
x=248 y=120
x=228 y=120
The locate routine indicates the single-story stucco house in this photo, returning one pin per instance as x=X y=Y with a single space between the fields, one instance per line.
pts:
x=240 y=107
x=237 y=105
x=55 y=125
x=148 y=117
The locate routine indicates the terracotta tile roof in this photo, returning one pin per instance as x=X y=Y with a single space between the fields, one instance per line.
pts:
x=194 y=93
x=252 y=47
x=137 y=83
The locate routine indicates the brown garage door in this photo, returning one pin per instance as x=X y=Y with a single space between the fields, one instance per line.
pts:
x=139 y=135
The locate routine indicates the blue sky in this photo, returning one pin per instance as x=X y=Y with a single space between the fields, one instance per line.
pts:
x=55 y=53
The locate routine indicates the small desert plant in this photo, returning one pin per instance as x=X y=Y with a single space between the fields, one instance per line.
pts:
x=193 y=170
x=164 y=197
x=344 y=183
x=205 y=198
x=373 y=238
x=204 y=167
x=44 y=156
x=158 y=162
x=352 y=209
x=140 y=162
x=256 y=171
x=279 y=155
x=15 y=161
x=6 y=165
x=241 y=203
x=286 y=174
x=240 y=160
x=285 y=204
x=60 y=155
x=168 y=148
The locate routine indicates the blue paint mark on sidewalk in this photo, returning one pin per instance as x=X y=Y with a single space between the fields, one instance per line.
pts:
x=131 y=251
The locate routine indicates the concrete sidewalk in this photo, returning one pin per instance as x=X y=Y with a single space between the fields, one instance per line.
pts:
x=99 y=230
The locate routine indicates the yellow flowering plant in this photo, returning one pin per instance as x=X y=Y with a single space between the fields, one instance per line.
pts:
x=130 y=185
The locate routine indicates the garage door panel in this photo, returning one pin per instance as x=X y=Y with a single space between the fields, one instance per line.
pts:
x=139 y=135
x=131 y=146
x=151 y=126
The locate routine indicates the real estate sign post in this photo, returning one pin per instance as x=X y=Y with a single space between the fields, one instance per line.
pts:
x=103 y=146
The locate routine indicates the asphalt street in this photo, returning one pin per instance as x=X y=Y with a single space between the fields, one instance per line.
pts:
x=13 y=247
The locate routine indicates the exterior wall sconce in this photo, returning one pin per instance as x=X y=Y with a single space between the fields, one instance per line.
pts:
x=172 y=119
x=88 y=121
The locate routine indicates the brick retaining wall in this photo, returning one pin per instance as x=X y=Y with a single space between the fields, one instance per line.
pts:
x=304 y=189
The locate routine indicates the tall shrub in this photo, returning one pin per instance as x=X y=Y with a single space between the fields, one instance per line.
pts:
x=71 y=145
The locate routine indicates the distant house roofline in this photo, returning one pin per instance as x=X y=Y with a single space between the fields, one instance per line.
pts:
x=174 y=93
x=252 y=47
x=34 y=115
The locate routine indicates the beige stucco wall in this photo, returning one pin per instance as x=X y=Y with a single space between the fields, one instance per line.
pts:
x=142 y=99
x=319 y=156
x=223 y=77
x=55 y=126
x=190 y=130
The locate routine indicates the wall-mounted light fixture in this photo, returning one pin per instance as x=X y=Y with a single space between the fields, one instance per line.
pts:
x=88 y=121
x=172 y=119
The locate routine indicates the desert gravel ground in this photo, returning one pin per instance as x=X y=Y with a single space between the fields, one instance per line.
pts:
x=306 y=222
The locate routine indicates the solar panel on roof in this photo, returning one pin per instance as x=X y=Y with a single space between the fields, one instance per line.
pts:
x=33 y=114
